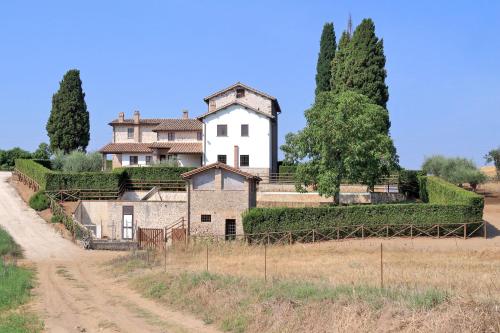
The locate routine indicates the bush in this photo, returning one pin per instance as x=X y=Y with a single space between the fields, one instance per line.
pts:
x=39 y=201
x=447 y=204
x=287 y=168
x=409 y=183
x=57 y=218
x=78 y=161
x=159 y=172
x=455 y=170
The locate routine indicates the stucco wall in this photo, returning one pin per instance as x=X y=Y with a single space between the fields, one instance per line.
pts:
x=141 y=158
x=189 y=160
x=142 y=133
x=147 y=214
x=181 y=136
x=252 y=99
x=257 y=145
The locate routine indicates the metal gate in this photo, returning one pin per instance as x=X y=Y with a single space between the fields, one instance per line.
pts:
x=178 y=236
x=150 y=237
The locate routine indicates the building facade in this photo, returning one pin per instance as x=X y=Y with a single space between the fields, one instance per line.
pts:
x=240 y=128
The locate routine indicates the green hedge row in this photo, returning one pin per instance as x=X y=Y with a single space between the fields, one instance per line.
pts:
x=447 y=204
x=287 y=168
x=83 y=180
x=153 y=172
x=33 y=170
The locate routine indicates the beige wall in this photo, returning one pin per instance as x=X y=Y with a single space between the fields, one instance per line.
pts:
x=147 y=214
x=116 y=160
x=252 y=99
x=220 y=204
x=146 y=133
x=182 y=136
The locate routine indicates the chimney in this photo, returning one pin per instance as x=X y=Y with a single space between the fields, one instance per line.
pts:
x=121 y=117
x=137 y=117
x=185 y=114
x=236 y=156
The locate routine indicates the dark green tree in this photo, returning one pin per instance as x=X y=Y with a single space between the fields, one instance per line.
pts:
x=338 y=64
x=494 y=156
x=362 y=67
x=43 y=152
x=326 y=54
x=68 y=126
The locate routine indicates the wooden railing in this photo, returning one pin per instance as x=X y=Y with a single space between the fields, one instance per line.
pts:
x=164 y=185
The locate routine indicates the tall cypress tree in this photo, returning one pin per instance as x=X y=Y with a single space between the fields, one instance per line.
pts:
x=68 y=126
x=326 y=54
x=362 y=67
x=339 y=81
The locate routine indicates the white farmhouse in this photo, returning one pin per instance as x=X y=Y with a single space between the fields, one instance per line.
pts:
x=240 y=129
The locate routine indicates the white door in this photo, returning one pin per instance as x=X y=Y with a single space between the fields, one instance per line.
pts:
x=128 y=227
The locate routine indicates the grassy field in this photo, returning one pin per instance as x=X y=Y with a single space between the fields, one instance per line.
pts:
x=324 y=287
x=15 y=286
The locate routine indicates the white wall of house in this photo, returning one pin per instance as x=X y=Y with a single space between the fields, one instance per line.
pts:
x=141 y=159
x=257 y=145
x=189 y=160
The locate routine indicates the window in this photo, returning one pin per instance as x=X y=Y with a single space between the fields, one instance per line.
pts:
x=222 y=159
x=244 y=160
x=130 y=133
x=240 y=92
x=244 y=130
x=134 y=160
x=230 y=229
x=148 y=160
x=206 y=218
x=128 y=222
x=199 y=136
x=221 y=130
x=171 y=136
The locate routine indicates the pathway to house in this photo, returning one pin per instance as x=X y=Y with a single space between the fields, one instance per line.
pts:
x=72 y=294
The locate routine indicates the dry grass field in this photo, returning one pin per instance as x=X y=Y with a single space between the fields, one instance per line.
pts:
x=429 y=285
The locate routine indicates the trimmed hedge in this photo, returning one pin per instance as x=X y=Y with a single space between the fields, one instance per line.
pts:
x=153 y=172
x=33 y=170
x=83 y=180
x=447 y=204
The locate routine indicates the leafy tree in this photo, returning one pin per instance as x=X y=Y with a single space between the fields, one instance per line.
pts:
x=43 y=152
x=8 y=157
x=68 y=125
x=346 y=138
x=494 y=156
x=327 y=48
x=456 y=170
x=361 y=64
x=78 y=161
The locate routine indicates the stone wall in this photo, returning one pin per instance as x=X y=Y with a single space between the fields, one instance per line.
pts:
x=107 y=215
x=252 y=99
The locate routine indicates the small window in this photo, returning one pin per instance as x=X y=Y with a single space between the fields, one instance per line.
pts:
x=134 y=160
x=240 y=92
x=199 y=136
x=171 y=136
x=206 y=218
x=244 y=160
x=130 y=133
x=221 y=130
x=148 y=160
x=244 y=130
x=222 y=159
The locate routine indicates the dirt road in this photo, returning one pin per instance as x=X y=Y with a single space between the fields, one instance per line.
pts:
x=73 y=295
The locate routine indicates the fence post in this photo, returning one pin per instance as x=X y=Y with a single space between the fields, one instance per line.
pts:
x=484 y=230
x=313 y=236
x=411 y=230
x=438 y=230
x=362 y=232
x=268 y=238
x=207 y=256
x=338 y=233
x=265 y=262
x=381 y=267
x=465 y=230
x=290 y=237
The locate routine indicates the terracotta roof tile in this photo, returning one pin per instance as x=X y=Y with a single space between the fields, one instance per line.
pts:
x=239 y=84
x=126 y=148
x=179 y=125
x=179 y=147
x=147 y=121
x=219 y=165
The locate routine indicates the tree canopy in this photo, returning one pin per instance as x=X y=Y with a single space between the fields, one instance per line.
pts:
x=494 y=156
x=346 y=138
x=328 y=45
x=360 y=64
x=68 y=126
x=456 y=170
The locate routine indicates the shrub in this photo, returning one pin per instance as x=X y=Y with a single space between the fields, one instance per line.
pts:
x=447 y=204
x=57 y=218
x=83 y=180
x=455 y=170
x=287 y=168
x=39 y=201
x=78 y=161
x=408 y=182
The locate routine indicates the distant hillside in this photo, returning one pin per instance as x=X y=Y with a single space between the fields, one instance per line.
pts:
x=489 y=170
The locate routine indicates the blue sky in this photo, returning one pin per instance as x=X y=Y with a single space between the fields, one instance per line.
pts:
x=163 y=56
